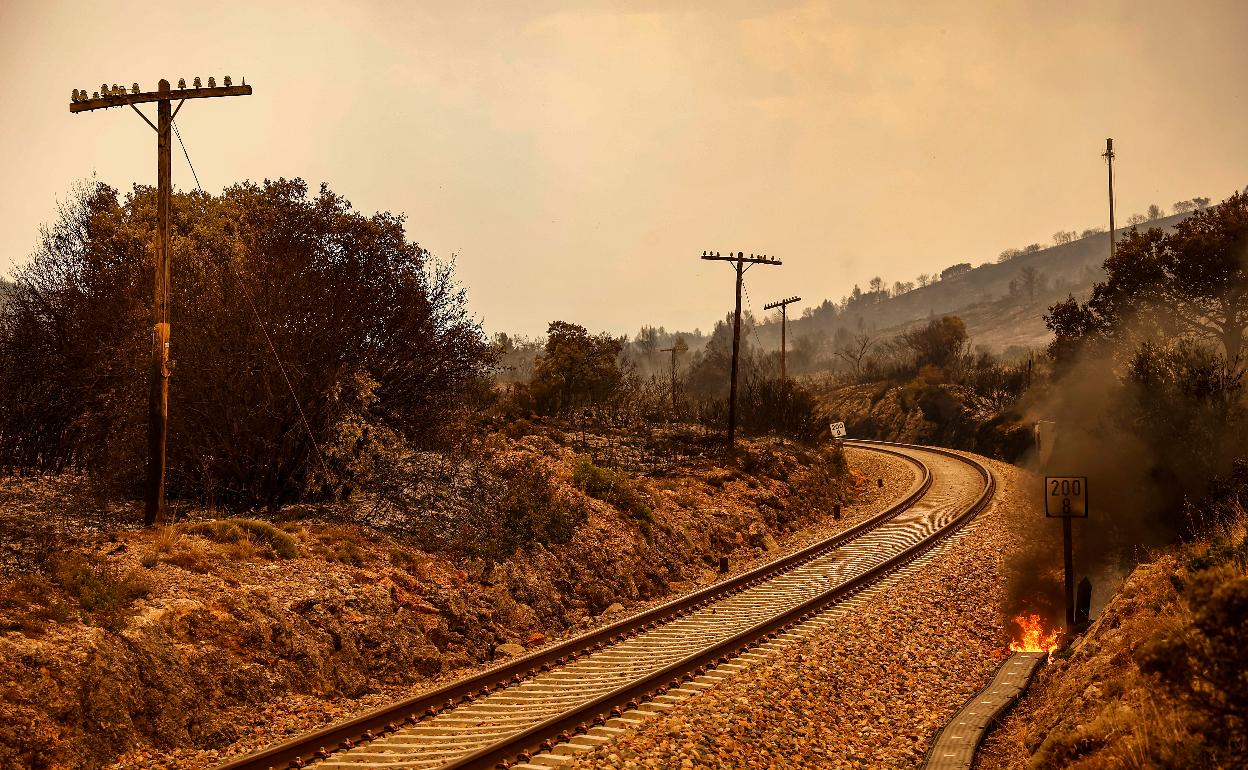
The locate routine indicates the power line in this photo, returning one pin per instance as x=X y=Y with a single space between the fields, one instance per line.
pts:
x=178 y=134
x=263 y=330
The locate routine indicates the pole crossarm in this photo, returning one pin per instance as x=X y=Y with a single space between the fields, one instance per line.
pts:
x=781 y=303
x=121 y=100
x=761 y=259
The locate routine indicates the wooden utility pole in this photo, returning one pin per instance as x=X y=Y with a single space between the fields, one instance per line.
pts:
x=784 y=322
x=740 y=263
x=158 y=404
x=678 y=347
x=1108 y=155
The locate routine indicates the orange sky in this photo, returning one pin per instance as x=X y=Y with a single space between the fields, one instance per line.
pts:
x=577 y=157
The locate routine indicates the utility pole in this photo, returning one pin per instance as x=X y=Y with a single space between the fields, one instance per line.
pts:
x=678 y=347
x=1108 y=155
x=158 y=404
x=740 y=263
x=784 y=322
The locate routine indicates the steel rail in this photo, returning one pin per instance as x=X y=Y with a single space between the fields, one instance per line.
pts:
x=315 y=745
x=543 y=736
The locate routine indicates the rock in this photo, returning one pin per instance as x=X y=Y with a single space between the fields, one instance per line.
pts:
x=535 y=639
x=510 y=649
x=760 y=537
x=614 y=609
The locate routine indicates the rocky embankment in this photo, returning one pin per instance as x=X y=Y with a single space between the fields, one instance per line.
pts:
x=180 y=646
x=940 y=414
x=870 y=690
x=1157 y=680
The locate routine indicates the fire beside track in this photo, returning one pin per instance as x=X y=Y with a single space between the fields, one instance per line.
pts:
x=575 y=695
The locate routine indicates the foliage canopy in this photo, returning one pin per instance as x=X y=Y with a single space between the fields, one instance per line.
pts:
x=373 y=335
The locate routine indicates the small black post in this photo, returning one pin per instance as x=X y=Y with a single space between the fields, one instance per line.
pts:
x=1083 y=603
x=836 y=511
x=723 y=565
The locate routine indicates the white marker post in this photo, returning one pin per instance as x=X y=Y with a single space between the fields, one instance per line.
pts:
x=838 y=430
x=1066 y=497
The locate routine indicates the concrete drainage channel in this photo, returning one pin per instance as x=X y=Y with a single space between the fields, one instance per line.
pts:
x=957 y=742
x=542 y=709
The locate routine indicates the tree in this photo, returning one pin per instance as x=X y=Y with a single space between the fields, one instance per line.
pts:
x=855 y=350
x=1136 y=219
x=940 y=342
x=1200 y=202
x=1064 y=236
x=576 y=368
x=1091 y=231
x=1183 y=207
x=1031 y=281
x=902 y=287
x=1190 y=282
x=955 y=270
x=1155 y=212
x=710 y=370
x=274 y=289
x=1009 y=254
x=923 y=280
x=647 y=340
x=877 y=287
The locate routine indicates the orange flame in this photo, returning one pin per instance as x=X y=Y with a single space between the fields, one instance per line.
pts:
x=1033 y=637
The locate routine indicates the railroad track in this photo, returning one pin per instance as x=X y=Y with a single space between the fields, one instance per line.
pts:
x=540 y=709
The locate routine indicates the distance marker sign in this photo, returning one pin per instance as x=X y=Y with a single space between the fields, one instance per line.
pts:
x=838 y=430
x=1066 y=496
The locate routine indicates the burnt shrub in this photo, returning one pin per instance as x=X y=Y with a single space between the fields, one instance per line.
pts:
x=779 y=406
x=275 y=291
x=477 y=501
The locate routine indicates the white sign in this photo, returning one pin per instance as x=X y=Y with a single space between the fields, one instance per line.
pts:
x=838 y=430
x=1066 y=496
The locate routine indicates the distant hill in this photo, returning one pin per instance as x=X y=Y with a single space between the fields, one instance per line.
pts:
x=996 y=317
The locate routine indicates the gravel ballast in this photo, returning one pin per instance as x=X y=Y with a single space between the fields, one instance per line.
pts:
x=873 y=687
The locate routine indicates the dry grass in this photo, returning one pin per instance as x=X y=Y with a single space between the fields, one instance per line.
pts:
x=248 y=538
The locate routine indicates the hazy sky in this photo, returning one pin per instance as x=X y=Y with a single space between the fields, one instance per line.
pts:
x=577 y=158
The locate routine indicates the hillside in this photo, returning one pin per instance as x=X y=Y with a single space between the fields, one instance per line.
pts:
x=981 y=297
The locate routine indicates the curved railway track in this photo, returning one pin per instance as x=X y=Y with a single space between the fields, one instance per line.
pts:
x=583 y=690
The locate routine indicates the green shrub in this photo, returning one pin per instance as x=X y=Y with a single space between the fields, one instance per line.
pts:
x=99 y=590
x=611 y=487
x=531 y=508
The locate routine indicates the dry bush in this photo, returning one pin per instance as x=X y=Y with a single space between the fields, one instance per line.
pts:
x=373 y=335
x=29 y=603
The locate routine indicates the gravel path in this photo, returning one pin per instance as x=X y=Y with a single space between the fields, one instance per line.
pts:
x=870 y=690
